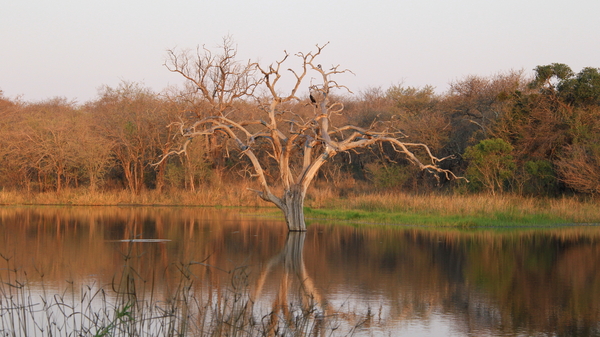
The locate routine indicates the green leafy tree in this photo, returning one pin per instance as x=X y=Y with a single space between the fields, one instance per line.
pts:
x=385 y=175
x=538 y=177
x=491 y=164
x=582 y=89
x=551 y=78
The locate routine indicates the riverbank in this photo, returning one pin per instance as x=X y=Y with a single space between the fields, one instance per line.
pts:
x=377 y=207
x=459 y=210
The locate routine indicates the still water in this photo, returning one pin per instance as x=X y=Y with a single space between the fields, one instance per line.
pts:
x=375 y=280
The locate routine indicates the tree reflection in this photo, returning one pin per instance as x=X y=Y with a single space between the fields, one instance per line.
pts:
x=294 y=281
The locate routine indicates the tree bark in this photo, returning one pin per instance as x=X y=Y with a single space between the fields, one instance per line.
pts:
x=294 y=208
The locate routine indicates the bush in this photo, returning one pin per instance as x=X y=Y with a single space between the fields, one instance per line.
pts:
x=388 y=176
x=491 y=165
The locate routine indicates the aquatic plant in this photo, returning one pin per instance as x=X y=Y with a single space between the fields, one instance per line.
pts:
x=134 y=306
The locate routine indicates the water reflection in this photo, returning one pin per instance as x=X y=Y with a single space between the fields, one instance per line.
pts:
x=407 y=280
x=293 y=280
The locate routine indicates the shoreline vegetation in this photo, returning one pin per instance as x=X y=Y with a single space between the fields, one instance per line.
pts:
x=380 y=207
x=134 y=305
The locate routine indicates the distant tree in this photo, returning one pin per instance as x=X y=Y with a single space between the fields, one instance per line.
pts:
x=94 y=151
x=538 y=177
x=370 y=105
x=132 y=119
x=14 y=170
x=550 y=78
x=192 y=167
x=297 y=139
x=578 y=164
x=416 y=112
x=580 y=168
x=412 y=100
x=476 y=103
x=583 y=89
x=491 y=164
x=388 y=175
x=47 y=135
x=556 y=122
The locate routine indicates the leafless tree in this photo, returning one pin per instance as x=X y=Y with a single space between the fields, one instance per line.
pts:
x=131 y=118
x=580 y=168
x=297 y=143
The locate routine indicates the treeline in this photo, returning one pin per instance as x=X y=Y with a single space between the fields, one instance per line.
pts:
x=506 y=133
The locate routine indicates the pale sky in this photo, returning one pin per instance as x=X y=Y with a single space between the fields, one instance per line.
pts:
x=70 y=48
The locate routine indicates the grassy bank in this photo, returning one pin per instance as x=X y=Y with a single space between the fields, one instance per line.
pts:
x=436 y=218
x=376 y=207
x=458 y=210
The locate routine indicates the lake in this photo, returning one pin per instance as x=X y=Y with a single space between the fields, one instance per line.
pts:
x=195 y=268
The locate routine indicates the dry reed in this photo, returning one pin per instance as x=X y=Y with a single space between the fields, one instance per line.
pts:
x=326 y=197
x=132 y=306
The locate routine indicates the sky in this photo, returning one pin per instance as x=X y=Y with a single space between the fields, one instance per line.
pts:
x=71 y=48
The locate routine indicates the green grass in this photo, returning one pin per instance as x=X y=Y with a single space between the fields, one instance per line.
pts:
x=434 y=218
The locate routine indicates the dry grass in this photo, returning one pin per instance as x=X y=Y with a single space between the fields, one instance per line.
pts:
x=569 y=208
x=219 y=195
x=328 y=197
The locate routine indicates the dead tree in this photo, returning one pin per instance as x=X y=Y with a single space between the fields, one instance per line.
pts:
x=297 y=144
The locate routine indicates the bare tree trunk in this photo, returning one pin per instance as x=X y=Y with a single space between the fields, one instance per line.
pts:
x=294 y=208
x=189 y=173
x=93 y=182
x=41 y=182
x=160 y=176
x=191 y=185
x=59 y=174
